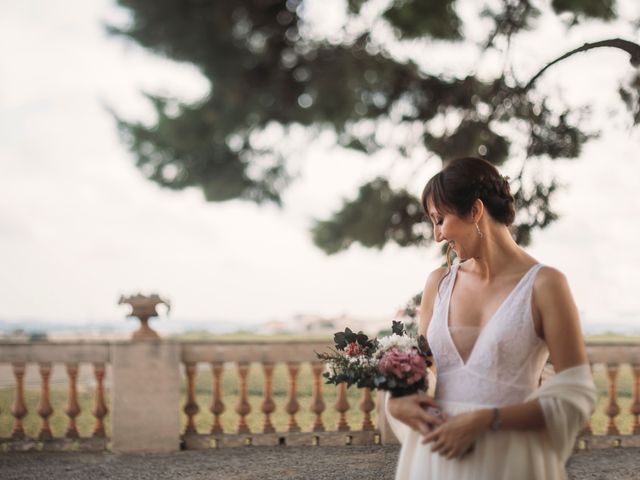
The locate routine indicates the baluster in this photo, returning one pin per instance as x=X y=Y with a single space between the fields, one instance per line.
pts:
x=268 y=405
x=100 y=409
x=317 y=405
x=635 y=407
x=73 y=408
x=292 y=405
x=217 y=406
x=366 y=405
x=191 y=407
x=613 y=409
x=44 y=407
x=342 y=406
x=587 y=430
x=19 y=408
x=243 y=408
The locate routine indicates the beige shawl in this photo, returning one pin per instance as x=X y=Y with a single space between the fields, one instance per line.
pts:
x=567 y=399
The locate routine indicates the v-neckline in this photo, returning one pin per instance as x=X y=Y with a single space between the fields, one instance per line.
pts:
x=484 y=327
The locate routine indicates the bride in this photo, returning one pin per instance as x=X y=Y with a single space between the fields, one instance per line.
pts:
x=492 y=320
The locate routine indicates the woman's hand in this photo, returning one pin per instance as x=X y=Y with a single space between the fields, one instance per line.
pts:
x=457 y=435
x=412 y=411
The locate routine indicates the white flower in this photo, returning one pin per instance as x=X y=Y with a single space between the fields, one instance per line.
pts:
x=362 y=361
x=330 y=369
x=403 y=343
x=368 y=361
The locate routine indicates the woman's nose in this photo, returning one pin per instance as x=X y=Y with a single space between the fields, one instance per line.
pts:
x=438 y=234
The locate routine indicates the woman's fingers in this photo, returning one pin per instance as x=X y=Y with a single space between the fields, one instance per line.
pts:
x=432 y=414
x=419 y=426
x=426 y=400
x=433 y=419
x=426 y=418
x=438 y=446
x=418 y=411
x=430 y=437
x=463 y=451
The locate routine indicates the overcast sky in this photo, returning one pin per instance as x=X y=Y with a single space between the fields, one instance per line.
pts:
x=79 y=225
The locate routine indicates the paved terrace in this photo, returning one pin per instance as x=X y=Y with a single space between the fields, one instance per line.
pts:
x=268 y=463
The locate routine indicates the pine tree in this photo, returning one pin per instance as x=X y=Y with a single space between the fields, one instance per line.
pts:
x=266 y=69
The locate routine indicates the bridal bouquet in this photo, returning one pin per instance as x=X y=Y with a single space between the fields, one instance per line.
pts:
x=397 y=363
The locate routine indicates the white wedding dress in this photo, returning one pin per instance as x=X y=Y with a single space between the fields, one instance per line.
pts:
x=502 y=368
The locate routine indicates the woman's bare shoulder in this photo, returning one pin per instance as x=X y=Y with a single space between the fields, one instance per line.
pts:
x=436 y=275
x=550 y=288
x=433 y=282
x=428 y=297
x=548 y=278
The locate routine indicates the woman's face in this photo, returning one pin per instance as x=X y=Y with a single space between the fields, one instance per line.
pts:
x=458 y=232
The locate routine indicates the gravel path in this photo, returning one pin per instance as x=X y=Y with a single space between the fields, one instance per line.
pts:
x=268 y=463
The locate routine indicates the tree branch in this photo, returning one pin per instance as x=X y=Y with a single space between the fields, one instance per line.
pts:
x=633 y=49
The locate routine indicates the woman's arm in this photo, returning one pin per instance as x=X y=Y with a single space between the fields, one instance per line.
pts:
x=553 y=304
x=411 y=408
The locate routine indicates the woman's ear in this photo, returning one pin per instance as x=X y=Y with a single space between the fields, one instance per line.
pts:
x=477 y=210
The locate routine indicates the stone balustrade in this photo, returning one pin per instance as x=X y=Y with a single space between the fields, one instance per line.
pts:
x=265 y=356
x=147 y=379
x=612 y=356
x=70 y=356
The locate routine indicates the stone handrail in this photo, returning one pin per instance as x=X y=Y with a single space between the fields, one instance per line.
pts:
x=59 y=352
x=146 y=401
x=613 y=353
x=281 y=351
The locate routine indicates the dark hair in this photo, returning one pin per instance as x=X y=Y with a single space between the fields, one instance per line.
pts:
x=457 y=186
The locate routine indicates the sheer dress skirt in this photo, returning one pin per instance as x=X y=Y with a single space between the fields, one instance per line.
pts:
x=502 y=455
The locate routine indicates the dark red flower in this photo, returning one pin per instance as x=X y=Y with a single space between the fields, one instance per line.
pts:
x=353 y=349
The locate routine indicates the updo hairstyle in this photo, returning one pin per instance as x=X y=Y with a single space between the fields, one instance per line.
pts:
x=457 y=186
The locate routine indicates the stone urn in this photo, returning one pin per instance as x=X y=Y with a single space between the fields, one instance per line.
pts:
x=144 y=307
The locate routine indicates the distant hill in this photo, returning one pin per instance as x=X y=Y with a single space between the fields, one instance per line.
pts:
x=162 y=324
x=173 y=325
x=625 y=328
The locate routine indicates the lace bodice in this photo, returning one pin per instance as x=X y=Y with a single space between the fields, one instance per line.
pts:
x=505 y=362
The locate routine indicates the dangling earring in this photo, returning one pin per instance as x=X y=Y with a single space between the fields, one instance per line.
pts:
x=479 y=232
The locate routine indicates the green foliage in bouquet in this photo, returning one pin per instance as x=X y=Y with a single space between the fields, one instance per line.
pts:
x=344 y=339
x=397 y=328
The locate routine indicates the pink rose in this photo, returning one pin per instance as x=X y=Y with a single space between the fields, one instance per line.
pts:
x=407 y=366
